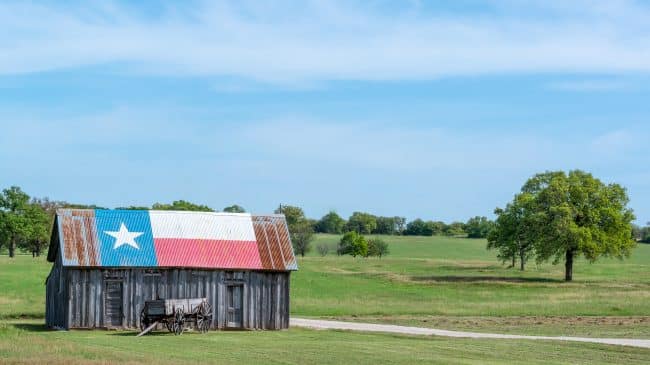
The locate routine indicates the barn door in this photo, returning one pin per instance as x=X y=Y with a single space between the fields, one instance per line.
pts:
x=234 y=299
x=113 y=303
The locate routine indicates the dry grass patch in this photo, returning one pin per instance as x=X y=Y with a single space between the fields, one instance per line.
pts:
x=589 y=326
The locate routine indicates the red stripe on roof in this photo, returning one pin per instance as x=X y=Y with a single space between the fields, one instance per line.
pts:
x=225 y=254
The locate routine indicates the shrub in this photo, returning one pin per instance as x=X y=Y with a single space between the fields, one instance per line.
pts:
x=377 y=247
x=323 y=249
x=353 y=244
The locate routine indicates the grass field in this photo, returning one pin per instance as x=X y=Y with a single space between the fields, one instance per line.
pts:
x=436 y=282
x=451 y=276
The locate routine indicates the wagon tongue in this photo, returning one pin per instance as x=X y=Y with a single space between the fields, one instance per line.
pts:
x=146 y=330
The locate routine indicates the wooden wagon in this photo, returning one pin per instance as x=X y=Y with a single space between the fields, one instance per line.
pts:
x=175 y=314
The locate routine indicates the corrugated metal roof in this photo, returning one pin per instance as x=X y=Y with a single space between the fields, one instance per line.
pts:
x=141 y=238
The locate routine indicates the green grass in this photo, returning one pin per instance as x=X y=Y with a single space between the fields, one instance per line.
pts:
x=438 y=282
x=26 y=342
x=458 y=277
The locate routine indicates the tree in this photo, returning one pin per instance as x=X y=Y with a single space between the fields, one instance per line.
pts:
x=323 y=249
x=418 y=227
x=455 y=229
x=37 y=232
x=182 y=205
x=302 y=233
x=133 y=207
x=577 y=214
x=331 y=223
x=362 y=223
x=642 y=234
x=514 y=232
x=353 y=244
x=400 y=223
x=81 y=206
x=301 y=229
x=15 y=227
x=377 y=247
x=437 y=227
x=234 y=209
x=345 y=243
x=478 y=227
x=388 y=225
x=645 y=233
x=291 y=213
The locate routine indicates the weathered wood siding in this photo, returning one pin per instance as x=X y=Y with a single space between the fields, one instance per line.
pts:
x=265 y=295
x=55 y=297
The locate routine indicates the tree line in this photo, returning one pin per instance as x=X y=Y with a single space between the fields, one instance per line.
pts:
x=366 y=223
x=556 y=216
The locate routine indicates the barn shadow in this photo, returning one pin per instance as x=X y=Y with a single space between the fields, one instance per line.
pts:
x=133 y=333
x=477 y=279
x=31 y=327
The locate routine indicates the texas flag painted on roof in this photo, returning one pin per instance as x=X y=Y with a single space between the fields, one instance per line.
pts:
x=140 y=238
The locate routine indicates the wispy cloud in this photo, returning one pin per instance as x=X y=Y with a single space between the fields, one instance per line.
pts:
x=592 y=85
x=616 y=140
x=286 y=42
x=128 y=155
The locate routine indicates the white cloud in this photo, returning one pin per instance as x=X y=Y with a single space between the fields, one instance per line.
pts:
x=289 y=42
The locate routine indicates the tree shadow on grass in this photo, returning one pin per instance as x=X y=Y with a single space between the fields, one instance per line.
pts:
x=477 y=279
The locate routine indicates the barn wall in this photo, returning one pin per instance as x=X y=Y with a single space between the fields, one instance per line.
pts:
x=55 y=297
x=265 y=295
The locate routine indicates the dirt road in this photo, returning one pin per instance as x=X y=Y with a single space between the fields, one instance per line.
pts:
x=371 y=327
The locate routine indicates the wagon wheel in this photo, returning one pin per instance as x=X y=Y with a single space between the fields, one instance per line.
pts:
x=179 y=321
x=144 y=322
x=204 y=317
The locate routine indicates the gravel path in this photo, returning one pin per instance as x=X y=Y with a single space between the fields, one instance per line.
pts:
x=371 y=327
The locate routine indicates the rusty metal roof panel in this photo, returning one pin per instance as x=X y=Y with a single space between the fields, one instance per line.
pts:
x=140 y=238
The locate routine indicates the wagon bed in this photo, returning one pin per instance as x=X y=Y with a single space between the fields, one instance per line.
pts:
x=175 y=313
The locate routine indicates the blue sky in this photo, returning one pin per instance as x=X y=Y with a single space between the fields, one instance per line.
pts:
x=439 y=110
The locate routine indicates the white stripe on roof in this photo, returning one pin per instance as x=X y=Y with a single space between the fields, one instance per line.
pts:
x=235 y=227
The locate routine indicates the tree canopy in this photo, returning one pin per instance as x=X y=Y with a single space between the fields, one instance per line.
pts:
x=568 y=215
x=353 y=244
x=513 y=234
x=301 y=229
x=478 y=227
x=362 y=223
x=234 y=209
x=23 y=223
x=331 y=223
x=182 y=205
x=377 y=247
x=291 y=213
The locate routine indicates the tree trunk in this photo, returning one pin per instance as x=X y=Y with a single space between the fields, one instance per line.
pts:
x=568 y=265
x=12 y=247
x=522 y=259
x=513 y=260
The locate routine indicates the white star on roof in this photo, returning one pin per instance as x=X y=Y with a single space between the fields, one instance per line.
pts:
x=124 y=237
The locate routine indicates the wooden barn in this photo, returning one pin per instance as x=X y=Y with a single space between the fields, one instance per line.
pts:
x=107 y=263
